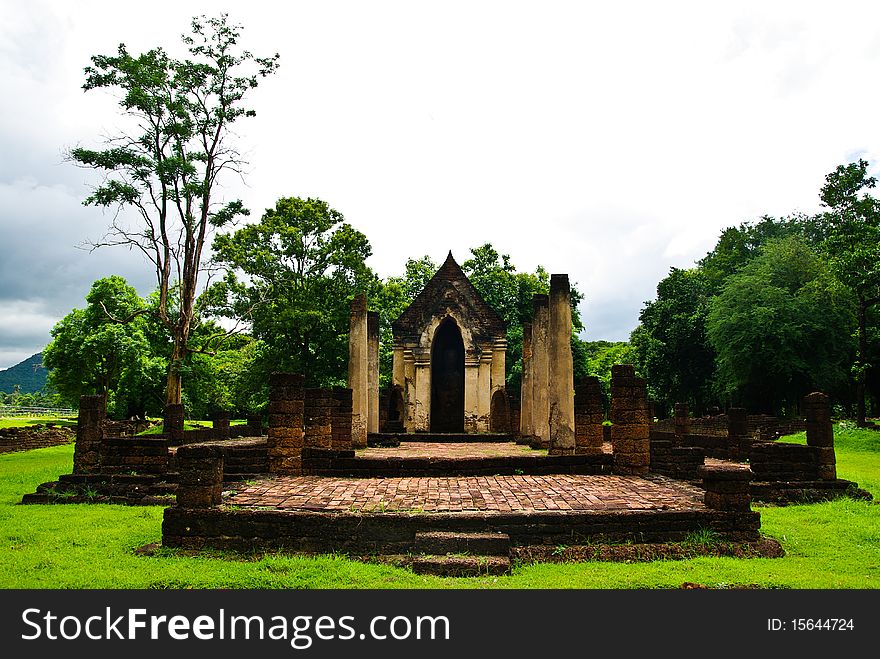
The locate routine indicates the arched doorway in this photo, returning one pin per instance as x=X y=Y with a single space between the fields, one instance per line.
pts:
x=447 y=378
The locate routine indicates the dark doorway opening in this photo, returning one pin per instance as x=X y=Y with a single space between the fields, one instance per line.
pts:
x=447 y=379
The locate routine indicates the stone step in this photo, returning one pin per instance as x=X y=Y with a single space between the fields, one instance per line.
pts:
x=461 y=566
x=442 y=437
x=453 y=542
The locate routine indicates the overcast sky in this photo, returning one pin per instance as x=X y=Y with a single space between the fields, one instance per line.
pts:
x=611 y=141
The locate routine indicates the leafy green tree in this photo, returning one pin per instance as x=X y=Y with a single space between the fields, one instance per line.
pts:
x=293 y=276
x=781 y=326
x=852 y=226
x=167 y=168
x=600 y=356
x=91 y=354
x=670 y=346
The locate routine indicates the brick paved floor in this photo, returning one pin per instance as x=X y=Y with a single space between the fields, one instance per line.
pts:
x=470 y=493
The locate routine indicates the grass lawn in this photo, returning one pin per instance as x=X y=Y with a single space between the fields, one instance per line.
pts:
x=828 y=545
x=26 y=421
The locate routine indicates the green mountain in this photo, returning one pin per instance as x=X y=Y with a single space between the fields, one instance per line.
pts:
x=29 y=375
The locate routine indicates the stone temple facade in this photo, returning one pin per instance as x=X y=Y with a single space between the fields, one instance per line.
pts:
x=449 y=351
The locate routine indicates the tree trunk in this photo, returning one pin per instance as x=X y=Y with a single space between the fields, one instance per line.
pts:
x=862 y=360
x=173 y=386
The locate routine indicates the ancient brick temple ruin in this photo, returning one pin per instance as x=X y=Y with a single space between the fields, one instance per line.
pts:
x=444 y=467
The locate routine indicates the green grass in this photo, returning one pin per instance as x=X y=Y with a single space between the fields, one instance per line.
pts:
x=828 y=545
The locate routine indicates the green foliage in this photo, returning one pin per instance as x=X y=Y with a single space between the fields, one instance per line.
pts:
x=90 y=353
x=166 y=168
x=781 y=327
x=600 y=356
x=293 y=276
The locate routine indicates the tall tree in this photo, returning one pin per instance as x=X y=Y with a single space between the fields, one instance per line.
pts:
x=852 y=226
x=781 y=327
x=168 y=167
x=292 y=276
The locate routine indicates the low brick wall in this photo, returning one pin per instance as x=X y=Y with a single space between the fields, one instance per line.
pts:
x=778 y=461
x=682 y=462
x=142 y=455
x=27 y=439
x=394 y=533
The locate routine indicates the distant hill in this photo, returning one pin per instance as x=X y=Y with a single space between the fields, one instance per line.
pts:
x=29 y=375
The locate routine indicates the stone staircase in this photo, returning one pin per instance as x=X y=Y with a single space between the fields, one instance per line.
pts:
x=459 y=554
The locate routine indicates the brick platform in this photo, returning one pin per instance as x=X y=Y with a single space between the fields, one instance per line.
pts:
x=558 y=492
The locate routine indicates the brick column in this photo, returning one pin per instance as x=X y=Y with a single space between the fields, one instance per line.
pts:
x=89 y=433
x=221 y=425
x=358 y=371
x=526 y=426
x=172 y=423
x=255 y=425
x=630 y=432
x=373 y=371
x=820 y=433
x=588 y=416
x=739 y=442
x=682 y=423
x=317 y=418
x=561 y=368
x=541 y=370
x=726 y=488
x=340 y=421
x=201 y=476
x=286 y=408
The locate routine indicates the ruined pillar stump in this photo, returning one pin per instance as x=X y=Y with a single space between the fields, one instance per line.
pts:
x=820 y=433
x=541 y=371
x=221 y=425
x=588 y=417
x=358 y=371
x=739 y=440
x=630 y=430
x=726 y=488
x=89 y=433
x=286 y=410
x=682 y=423
x=172 y=423
x=200 y=483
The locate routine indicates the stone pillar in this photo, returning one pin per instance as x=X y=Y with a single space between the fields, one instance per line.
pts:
x=630 y=431
x=727 y=488
x=471 y=392
x=541 y=370
x=526 y=425
x=358 y=368
x=484 y=391
x=409 y=390
x=340 y=421
x=682 y=423
x=820 y=433
x=588 y=417
x=221 y=424
x=200 y=484
x=286 y=408
x=172 y=423
x=561 y=368
x=398 y=375
x=317 y=431
x=422 y=407
x=499 y=366
x=89 y=433
x=255 y=425
x=739 y=442
x=373 y=370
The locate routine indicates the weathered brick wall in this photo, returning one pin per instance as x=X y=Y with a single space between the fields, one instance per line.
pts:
x=781 y=461
x=173 y=424
x=141 y=455
x=89 y=431
x=318 y=411
x=630 y=430
x=27 y=439
x=588 y=416
x=682 y=462
x=340 y=419
x=286 y=409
